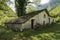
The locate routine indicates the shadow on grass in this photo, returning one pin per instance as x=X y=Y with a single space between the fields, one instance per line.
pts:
x=48 y=33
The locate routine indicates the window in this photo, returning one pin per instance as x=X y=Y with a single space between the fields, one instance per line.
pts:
x=44 y=16
x=53 y=20
x=49 y=20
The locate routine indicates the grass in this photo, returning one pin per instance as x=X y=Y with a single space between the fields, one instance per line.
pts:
x=48 y=33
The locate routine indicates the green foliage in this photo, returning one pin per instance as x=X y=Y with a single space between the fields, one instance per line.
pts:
x=21 y=7
x=2 y=1
x=56 y=11
x=30 y=9
x=6 y=14
x=2 y=4
x=50 y=33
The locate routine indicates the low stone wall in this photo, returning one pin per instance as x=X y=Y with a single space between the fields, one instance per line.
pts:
x=15 y=27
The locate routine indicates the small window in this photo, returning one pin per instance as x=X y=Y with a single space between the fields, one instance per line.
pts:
x=44 y=16
x=49 y=20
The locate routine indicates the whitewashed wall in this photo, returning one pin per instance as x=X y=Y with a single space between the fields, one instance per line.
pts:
x=38 y=19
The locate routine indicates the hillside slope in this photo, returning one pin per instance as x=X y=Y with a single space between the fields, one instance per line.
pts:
x=6 y=14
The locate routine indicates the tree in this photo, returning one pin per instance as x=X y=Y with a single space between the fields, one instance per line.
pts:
x=30 y=8
x=6 y=14
x=21 y=7
x=2 y=4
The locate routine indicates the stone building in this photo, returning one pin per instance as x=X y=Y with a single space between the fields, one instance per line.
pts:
x=29 y=20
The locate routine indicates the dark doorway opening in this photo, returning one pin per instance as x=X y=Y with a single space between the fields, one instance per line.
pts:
x=32 y=23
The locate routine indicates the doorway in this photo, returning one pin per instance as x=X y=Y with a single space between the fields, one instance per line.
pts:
x=32 y=23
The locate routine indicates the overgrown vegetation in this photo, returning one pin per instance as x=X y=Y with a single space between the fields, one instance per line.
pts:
x=6 y=14
x=48 y=33
x=56 y=13
x=21 y=7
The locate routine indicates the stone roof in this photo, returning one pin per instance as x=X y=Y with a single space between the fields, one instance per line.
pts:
x=26 y=17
